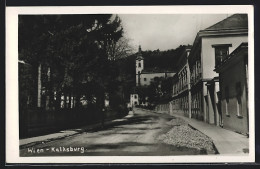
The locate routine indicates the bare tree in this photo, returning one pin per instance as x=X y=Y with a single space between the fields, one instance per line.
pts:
x=120 y=49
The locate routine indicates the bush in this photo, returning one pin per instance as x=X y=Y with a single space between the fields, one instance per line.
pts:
x=121 y=110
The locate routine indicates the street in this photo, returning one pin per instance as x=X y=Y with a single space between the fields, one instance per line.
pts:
x=135 y=136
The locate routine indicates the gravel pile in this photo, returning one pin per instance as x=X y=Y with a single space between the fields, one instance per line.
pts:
x=184 y=136
x=177 y=122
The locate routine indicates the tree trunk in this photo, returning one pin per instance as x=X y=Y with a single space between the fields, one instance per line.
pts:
x=51 y=91
x=39 y=86
x=69 y=101
x=72 y=101
x=65 y=100
x=47 y=104
x=58 y=101
x=77 y=101
x=73 y=104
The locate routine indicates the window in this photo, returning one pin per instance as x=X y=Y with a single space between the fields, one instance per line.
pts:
x=221 y=53
x=135 y=96
x=139 y=64
x=135 y=102
x=144 y=79
x=227 y=99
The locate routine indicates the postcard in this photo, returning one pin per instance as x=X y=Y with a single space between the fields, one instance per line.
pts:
x=130 y=84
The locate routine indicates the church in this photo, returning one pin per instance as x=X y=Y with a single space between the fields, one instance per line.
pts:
x=144 y=76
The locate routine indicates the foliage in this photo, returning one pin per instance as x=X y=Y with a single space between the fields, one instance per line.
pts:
x=162 y=60
x=159 y=90
x=78 y=49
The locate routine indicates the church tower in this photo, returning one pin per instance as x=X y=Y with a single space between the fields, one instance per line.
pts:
x=139 y=66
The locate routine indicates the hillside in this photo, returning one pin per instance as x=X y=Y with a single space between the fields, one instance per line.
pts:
x=153 y=60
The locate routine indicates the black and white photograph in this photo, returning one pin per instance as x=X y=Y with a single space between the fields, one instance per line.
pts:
x=130 y=84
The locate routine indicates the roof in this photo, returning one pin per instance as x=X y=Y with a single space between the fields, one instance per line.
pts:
x=236 y=24
x=157 y=70
x=234 y=21
x=241 y=47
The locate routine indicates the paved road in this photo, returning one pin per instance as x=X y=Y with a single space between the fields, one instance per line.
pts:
x=136 y=136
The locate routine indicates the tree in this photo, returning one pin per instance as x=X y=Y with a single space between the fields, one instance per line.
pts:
x=76 y=48
x=121 y=49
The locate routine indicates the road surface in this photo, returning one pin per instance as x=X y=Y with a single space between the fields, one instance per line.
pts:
x=136 y=136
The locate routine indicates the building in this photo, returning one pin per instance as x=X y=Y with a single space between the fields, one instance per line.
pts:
x=134 y=100
x=144 y=77
x=220 y=39
x=233 y=75
x=174 y=105
x=181 y=96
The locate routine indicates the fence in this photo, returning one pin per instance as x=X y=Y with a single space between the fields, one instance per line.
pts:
x=38 y=121
x=162 y=108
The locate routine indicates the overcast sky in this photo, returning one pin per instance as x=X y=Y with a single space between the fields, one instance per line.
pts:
x=165 y=31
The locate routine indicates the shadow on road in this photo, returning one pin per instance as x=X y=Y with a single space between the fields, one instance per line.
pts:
x=137 y=119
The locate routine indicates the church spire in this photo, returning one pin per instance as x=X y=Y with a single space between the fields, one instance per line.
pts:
x=139 y=54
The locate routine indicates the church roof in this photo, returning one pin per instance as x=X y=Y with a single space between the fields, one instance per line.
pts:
x=157 y=70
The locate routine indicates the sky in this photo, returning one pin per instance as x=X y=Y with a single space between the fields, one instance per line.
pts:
x=165 y=31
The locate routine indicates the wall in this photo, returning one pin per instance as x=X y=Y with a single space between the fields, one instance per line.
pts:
x=149 y=77
x=197 y=105
x=229 y=78
x=163 y=108
x=212 y=103
x=39 y=121
x=136 y=80
x=174 y=106
x=184 y=103
x=208 y=52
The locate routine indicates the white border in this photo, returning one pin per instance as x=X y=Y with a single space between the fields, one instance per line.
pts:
x=12 y=137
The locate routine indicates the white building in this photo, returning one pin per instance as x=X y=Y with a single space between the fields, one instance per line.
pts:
x=211 y=46
x=134 y=100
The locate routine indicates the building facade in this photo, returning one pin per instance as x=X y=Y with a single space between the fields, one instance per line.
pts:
x=181 y=95
x=134 y=100
x=223 y=38
x=174 y=104
x=233 y=74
